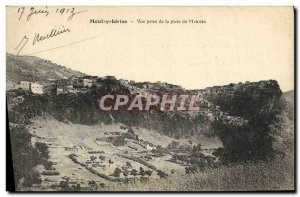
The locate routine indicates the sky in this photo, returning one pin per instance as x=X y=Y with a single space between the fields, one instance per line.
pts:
x=236 y=44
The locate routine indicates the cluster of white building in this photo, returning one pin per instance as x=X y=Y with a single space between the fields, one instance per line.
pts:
x=34 y=87
x=74 y=84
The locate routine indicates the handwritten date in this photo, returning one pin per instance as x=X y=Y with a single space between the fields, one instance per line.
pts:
x=31 y=12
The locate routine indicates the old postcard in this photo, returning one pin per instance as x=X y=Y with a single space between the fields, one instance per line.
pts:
x=150 y=98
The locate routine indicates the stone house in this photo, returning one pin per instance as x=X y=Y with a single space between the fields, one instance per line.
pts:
x=25 y=85
x=37 y=88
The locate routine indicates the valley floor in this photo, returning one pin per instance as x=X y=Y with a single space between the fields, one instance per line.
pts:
x=82 y=155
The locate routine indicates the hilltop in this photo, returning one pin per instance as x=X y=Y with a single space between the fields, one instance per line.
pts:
x=30 y=68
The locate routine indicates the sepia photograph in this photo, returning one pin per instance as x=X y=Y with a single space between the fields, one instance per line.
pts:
x=150 y=99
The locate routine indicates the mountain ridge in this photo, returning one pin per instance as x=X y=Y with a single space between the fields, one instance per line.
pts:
x=31 y=68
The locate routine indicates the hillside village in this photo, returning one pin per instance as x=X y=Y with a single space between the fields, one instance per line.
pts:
x=86 y=83
x=82 y=84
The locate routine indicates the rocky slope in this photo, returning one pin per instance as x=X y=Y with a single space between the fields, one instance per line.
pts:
x=30 y=68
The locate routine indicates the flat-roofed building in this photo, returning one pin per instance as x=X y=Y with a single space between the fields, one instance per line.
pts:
x=25 y=85
x=37 y=88
x=87 y=82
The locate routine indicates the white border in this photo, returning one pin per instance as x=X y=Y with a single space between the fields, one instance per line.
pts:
x=4 y=3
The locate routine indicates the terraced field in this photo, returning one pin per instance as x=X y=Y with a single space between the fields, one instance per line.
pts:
x=80 y=154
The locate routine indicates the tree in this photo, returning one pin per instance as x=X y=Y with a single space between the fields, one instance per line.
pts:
x=110 y=162
x=43 y=149
x=125 y=174
x=187 y=170
x=173 y=145
x=134 y=172
x=131 y=131
x=128 y=164
x=93 y=158
x=117 y=172
x=148 y=173
x=172 y=171
x=161 y=174
x=197 y=148
x=102 y=157
x=102 y=185
x=93 y=184
x=65 y=184
x=142 y=171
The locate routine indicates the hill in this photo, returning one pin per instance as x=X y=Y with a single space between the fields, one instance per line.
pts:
x=289 y=96
x=30 y=68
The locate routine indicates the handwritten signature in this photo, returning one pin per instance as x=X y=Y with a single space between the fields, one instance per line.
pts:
x=38 y=37
x=32 y=11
